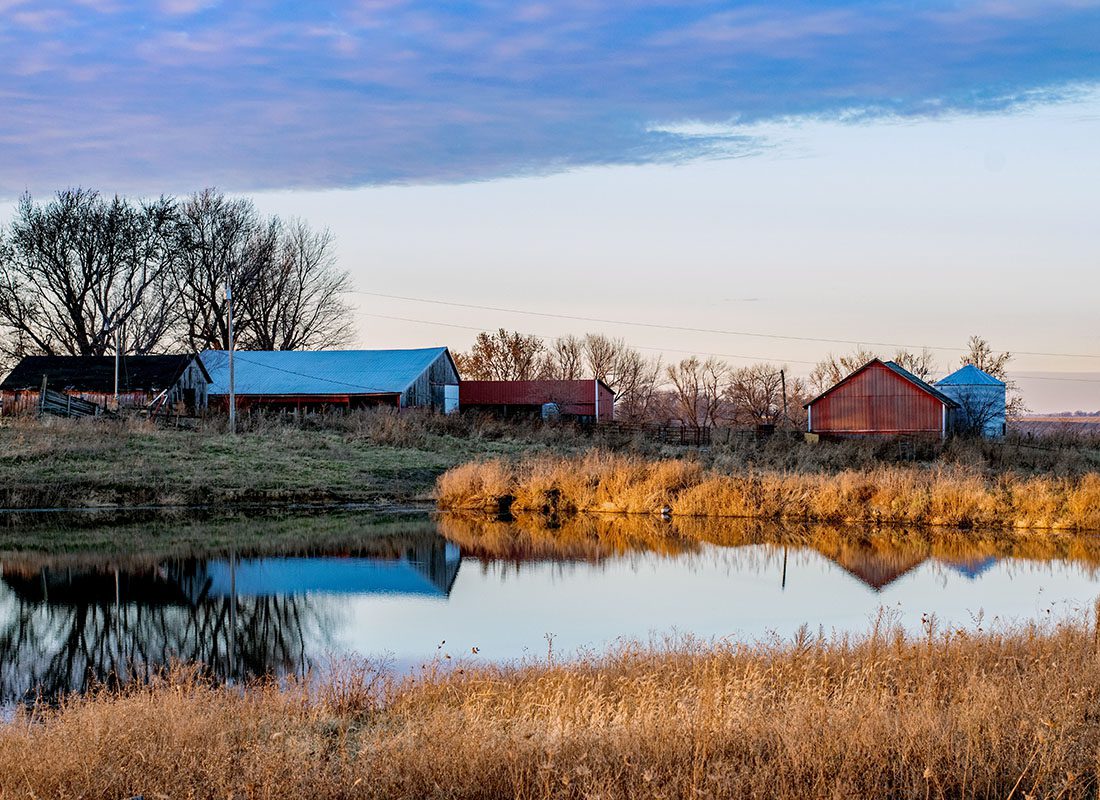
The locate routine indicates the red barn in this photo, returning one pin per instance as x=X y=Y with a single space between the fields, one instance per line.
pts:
x=583 y=400
x=881 y=398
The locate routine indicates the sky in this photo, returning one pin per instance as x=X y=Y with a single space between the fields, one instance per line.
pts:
x=887 y=172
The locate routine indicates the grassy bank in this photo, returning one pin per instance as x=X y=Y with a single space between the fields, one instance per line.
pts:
x=945 y=495
x=150 y=535
x=364 y=458
x=984 y=715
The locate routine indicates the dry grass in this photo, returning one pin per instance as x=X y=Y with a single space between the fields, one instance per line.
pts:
x=954 y=496
x=948 y=714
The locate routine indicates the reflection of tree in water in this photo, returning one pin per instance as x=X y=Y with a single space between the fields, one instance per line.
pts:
x=64 y=630
x=68 y=621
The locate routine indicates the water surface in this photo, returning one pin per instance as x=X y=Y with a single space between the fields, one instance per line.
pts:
x=489 y=591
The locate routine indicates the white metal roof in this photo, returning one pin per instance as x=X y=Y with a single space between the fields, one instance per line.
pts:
x=969 y=375
x=293 y=372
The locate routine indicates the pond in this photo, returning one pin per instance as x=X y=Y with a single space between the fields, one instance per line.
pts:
x=421 y=588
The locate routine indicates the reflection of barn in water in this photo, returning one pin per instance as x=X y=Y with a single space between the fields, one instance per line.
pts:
x=873 y=566
x=61 y=626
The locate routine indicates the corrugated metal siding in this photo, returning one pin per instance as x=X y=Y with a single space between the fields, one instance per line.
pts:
x=877 y=401
x=576 y=398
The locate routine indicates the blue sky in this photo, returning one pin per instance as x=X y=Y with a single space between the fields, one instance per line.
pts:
x=892 y=171
x=148 y=95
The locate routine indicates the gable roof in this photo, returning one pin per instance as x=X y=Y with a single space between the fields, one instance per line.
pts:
x=969 y=375
x=320 y=372
x=97 y=373
x=897 y=370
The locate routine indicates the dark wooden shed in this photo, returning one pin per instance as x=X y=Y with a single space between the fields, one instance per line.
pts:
x=176 y=381
x=881 y=398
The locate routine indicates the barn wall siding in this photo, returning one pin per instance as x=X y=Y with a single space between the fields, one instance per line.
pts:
x=877 y=400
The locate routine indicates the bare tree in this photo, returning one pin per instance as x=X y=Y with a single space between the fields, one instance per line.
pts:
x=981 y=355
x=637 y=380
x=756 y=395
x=833 y=369
x=977 y=412
x=922 y=364
x=81 y=267
x=564 y=359
x=217 y=243
x=502 y=356
x=297 y=300
x=697 y=390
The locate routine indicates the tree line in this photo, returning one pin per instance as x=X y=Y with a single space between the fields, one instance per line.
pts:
x=695 y=391
x=83 y=270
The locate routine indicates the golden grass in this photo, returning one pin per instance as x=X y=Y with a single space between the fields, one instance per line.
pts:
x=991 y=714
x=954 y=496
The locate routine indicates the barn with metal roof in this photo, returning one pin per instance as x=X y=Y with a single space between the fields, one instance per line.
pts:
x=881 y=398
x=305 y=379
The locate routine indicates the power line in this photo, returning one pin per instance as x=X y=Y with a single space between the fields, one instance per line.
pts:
x=635 y=346
x=373 y=389
x=784 y=337
x=688 y=352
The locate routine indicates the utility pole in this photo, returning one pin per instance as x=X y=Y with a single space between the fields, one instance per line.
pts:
x=783 y=384
x=118 y=346
x=232 y=388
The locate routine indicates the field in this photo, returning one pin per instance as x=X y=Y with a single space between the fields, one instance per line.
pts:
x=986 y=714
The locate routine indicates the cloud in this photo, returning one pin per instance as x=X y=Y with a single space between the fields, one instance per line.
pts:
x=163 y=97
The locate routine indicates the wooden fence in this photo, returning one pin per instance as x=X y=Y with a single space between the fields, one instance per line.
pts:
x=65 y=405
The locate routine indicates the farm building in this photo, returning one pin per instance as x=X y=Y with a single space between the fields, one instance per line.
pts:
x=881 y=398
x=175 y=381
x=314 y=380
x=981 y=399
x=580 y=400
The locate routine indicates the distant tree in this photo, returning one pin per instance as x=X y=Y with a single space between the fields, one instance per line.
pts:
x=637 y=380
x=697 y=388
x=922 y=364
x=981 y=355
x=632 y=377
x=79 y=269
x=755 y=394
x=564 y=359
x=833 y=369
x=297 y=300
x=502 y=356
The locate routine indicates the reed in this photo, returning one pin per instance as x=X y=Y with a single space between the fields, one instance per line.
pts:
x=945 y=714
x=942 y=495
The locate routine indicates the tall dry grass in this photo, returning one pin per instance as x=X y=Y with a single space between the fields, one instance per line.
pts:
x=929 y=495
x=991 y=714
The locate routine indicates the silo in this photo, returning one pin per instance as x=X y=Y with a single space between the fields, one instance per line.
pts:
x=981 y=399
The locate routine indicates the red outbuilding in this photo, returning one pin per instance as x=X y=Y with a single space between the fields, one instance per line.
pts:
x=881 y=398
x=581 y=400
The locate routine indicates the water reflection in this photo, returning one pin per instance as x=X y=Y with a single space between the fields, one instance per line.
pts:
x=398 y=589
x=69 y=622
